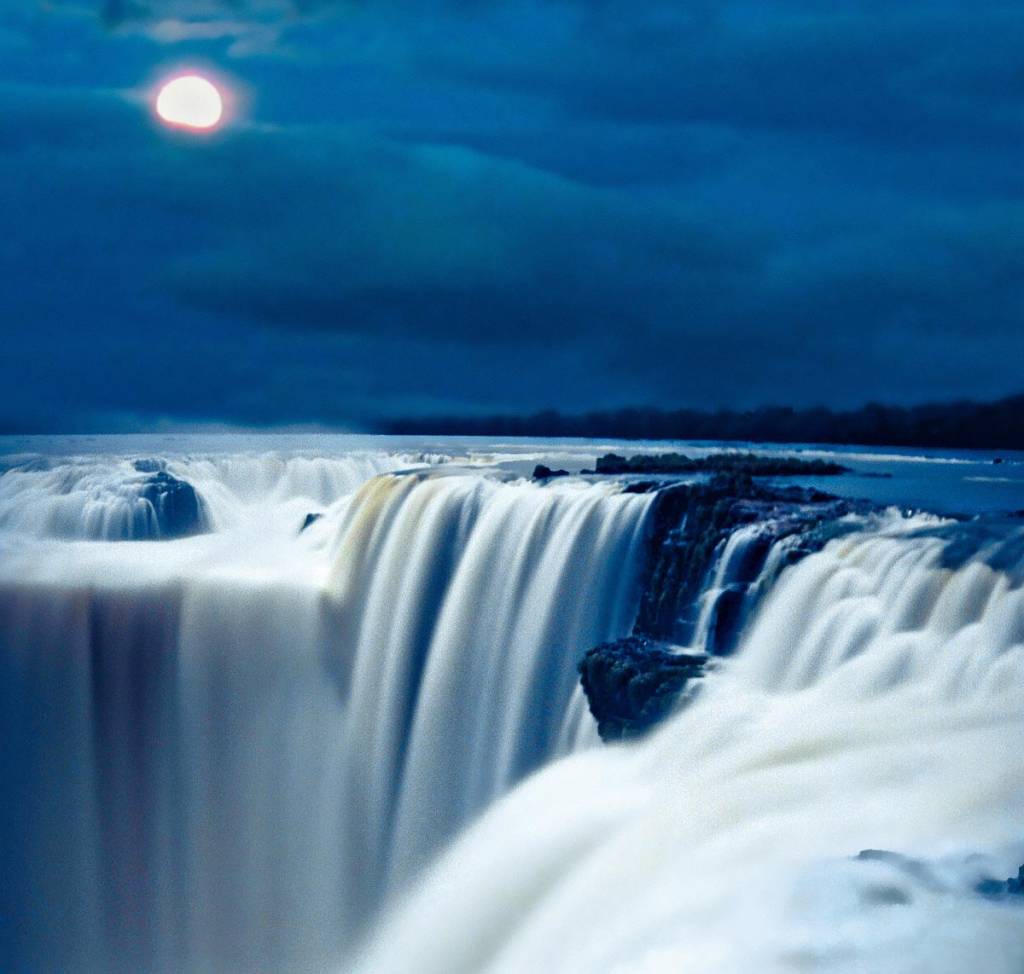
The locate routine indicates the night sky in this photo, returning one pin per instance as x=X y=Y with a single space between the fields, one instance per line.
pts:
x=473 y=207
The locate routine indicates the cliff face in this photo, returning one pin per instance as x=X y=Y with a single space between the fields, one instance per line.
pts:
x=691 y=524
x=633 y=683
x=712 y=551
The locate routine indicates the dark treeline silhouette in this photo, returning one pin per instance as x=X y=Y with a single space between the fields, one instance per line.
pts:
x=969 y=425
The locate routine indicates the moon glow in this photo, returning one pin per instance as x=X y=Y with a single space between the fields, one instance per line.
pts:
x=190 y=102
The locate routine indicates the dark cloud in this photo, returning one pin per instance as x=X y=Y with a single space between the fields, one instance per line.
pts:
x=905 y=73
x=512 y=205
x=449 y=244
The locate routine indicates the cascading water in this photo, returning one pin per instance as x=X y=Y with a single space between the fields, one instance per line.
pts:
x=113 y=498
x=469 y=603
x=876 y=702
x=221 y=752
x=233 y=750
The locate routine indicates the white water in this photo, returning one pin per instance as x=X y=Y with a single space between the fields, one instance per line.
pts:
x=731 y=570
x=221 y=751
x=470 y=604
x=877 y=701
x=98 y=497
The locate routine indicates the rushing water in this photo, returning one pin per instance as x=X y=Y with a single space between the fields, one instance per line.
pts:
x=233 y=750
x=877 y=702
x=223 y=750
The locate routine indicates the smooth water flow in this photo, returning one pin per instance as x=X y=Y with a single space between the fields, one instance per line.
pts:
x=468 y=603
x=291 y=711
x=111 y=498
x=222 y=751
x=876 y=703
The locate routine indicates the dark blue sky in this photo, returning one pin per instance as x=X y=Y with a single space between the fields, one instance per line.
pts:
x=477 y=206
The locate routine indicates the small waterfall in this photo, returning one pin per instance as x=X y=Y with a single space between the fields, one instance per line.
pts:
x=743 y=571
x=220 y=756
x=105 y=498
x=875 y=702
x=110 y=501
x=239 y=487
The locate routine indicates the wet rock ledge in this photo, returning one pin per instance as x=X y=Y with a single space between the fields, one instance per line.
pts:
x=634 y=682
x=177 y=507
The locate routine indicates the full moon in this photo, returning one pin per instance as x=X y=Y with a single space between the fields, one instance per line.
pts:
x=190 y=102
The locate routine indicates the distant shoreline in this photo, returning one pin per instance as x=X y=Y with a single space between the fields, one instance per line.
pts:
x=997 y=425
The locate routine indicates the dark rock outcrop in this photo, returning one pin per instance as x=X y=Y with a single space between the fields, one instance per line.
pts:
x=691 y=522
x=179 y=511
x=999 y=889
x=750 y=464
x=633 y=683
x=542 y=472
x=309 y=519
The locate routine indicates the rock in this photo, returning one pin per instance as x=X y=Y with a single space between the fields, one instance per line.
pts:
x=633 y=683
x=1000 y=889
x=691 y=521
x=751 y=464
x=309 y=519
x=149 y=465
x=997 y=889
x=638 y=486
x=179 y=511
x=541 y=472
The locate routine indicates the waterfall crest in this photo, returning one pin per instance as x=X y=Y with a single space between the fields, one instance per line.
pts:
x=337 y=699
x=113 y=498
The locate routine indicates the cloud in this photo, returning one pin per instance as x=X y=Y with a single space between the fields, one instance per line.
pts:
x=447 y=244
x=516 y=204
x=909 y=73
x=913 y=72
x=338 y=233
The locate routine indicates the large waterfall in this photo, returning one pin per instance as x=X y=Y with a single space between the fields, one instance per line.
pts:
x=222 y=751
x=322 y=711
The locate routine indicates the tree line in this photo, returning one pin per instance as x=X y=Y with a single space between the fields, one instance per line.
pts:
x=997 y=425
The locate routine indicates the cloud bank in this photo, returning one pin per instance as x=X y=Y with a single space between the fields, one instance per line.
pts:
x=512 y=205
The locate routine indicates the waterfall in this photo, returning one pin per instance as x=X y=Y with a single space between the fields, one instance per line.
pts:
x=876 y=701
x=109 y=498
x=745 y=568
x=468 y=603
x=221 y=752
x=252 y=739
